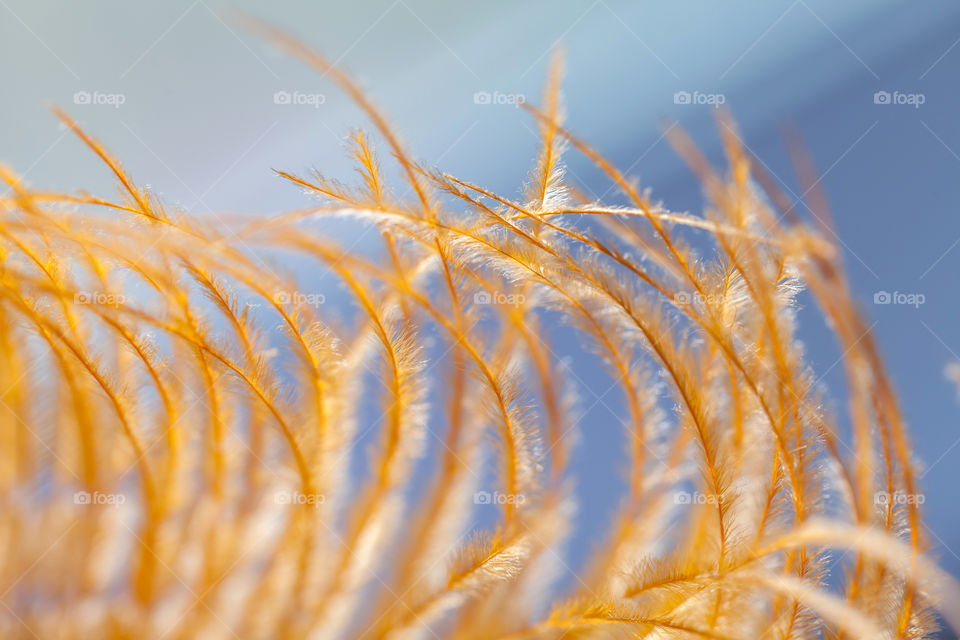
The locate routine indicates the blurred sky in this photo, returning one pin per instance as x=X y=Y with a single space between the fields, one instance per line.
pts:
x=199 y=122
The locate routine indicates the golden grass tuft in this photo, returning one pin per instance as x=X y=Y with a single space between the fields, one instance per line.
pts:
x=178 y=419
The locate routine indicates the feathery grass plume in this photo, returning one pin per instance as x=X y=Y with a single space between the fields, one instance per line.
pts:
x=193 y=472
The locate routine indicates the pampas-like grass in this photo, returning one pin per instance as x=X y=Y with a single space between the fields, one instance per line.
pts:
x=178 y=420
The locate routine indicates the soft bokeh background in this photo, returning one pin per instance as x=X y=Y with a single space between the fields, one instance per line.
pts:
x=199 y=122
